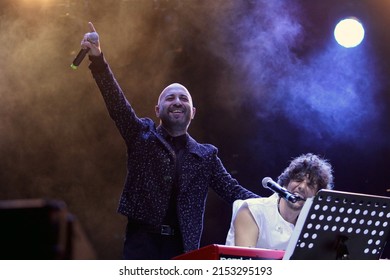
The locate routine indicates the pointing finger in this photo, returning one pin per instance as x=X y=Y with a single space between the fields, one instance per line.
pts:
x=91 y=27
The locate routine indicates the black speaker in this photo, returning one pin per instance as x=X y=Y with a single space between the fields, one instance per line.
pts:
x=38 y=229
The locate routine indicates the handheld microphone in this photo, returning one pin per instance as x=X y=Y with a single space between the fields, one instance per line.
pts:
x=80 y=56
x=283 y=192
x=93 y=37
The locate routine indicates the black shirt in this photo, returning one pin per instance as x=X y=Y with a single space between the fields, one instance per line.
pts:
x=178 y=144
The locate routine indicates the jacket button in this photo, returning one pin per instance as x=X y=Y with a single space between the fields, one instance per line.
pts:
x=167 y=178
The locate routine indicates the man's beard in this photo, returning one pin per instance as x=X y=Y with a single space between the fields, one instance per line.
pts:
x=176 y=124
x=295 y=206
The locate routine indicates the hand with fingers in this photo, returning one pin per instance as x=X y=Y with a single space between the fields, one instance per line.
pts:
x=89 y=45
x=91 y=41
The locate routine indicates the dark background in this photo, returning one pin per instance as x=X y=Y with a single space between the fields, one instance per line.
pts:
x=267 y=78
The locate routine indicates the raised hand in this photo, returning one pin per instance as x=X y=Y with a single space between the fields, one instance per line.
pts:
x=91 y=41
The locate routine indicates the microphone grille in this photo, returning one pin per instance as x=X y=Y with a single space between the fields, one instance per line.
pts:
x=93 y=37
x=265 y=181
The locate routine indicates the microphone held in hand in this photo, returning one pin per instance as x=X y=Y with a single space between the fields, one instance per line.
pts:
x=80 y=56
x=93 y=37
x=283 y=192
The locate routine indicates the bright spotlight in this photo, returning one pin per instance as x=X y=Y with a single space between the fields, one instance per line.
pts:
x=349 y=32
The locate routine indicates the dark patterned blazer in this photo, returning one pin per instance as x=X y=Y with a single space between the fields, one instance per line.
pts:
x=151 y=167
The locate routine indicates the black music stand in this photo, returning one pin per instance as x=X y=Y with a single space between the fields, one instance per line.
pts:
x=335 y=225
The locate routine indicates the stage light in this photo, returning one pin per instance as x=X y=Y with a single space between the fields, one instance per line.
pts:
x=349 y=32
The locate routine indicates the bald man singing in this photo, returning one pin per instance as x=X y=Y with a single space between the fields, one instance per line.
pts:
x=168 y=172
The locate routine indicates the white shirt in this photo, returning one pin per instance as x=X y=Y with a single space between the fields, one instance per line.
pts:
x=274 y=231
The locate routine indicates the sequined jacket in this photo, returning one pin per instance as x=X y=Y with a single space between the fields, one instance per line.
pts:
x=151 y=167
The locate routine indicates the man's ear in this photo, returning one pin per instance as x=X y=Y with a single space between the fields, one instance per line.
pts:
x=193 y=113
x=157 y=110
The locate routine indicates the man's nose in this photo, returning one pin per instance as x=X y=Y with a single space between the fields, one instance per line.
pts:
x=303 y=185
x=176 y=101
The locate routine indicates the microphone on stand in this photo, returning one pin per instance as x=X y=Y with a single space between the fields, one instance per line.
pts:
x=276 y=188
x=93 y=37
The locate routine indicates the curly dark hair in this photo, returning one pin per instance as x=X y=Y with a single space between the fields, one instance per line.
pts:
x=318 y=170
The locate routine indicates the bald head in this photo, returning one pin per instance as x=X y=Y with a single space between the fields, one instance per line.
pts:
x=174 y=88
